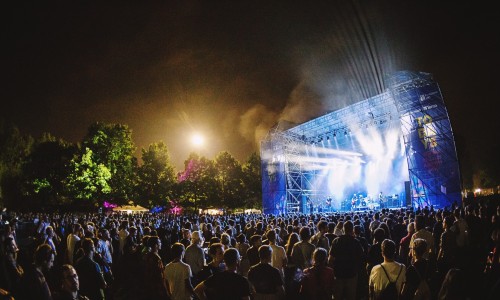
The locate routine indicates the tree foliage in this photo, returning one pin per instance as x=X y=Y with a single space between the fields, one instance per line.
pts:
x=252 y=184
x=46 y=169
x=197 y=184
x=229 y=180
x=112 y=146
x=88 y=179
x=14 y=150
x=156 y=176
x=52 y=171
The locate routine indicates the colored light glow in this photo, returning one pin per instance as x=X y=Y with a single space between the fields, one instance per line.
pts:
x=109 y=205
x=175 y=208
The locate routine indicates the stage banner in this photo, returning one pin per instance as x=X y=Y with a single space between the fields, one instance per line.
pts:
x=273 y=179
x=430 y=146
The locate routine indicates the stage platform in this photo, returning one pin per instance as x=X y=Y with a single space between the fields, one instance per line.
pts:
x=355 y=211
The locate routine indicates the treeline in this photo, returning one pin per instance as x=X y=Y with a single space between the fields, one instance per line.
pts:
x=50 y=173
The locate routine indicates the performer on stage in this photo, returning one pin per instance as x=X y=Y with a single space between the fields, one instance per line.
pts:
x=280 y=205
x=328 y=204
x=353 y=201
x=311 y=206
x=381 y=200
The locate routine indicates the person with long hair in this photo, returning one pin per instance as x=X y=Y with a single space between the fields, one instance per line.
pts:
x=318 y=279
x=242 y=246
x=292 y=272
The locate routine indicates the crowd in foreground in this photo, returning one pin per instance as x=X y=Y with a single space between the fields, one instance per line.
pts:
x=450 y=253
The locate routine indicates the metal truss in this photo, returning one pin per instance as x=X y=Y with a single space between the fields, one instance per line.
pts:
x=295 y=179
x=427 y=182
x=378 y=111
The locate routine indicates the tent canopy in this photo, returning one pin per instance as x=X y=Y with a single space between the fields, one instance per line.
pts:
x=130 y=208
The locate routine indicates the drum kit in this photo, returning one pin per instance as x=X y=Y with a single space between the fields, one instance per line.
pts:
x=372 y=204
x=360 y=202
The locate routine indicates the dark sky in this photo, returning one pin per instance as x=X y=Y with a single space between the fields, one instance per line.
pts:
x=231 y=69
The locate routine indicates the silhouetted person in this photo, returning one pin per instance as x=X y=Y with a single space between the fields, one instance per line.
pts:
x=265 y=279
x=227 y=284
x=70 y=285
x=34 y=285
x=92 y=283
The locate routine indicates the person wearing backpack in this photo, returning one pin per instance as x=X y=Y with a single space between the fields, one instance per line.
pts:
x=417 y=286
x=386 y=279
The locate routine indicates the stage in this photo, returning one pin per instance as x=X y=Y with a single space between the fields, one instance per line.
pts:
x=398 y=143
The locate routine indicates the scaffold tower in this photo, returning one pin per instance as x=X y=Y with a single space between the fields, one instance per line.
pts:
x=428 y=137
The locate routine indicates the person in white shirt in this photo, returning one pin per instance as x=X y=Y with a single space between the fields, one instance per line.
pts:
x=178 y=275
x=461 y=229
x=388 y=271
x=278 y=258
x=123 y=234
x=49 y=232
x=422 y=233
x=42 y=226
x=71 y=241
x=194 y=256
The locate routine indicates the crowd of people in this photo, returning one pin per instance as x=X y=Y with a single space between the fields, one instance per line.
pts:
x=449 y=253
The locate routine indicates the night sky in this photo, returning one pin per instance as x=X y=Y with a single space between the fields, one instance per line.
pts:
x=232 y=69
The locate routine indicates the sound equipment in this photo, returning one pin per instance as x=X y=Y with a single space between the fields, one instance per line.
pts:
x=407 y=194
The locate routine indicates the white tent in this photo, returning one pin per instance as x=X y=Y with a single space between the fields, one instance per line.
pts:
x=130 y=209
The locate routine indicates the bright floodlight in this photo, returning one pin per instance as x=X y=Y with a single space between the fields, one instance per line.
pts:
x=197 y=139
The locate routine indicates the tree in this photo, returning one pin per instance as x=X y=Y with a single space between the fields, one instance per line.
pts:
x=229 y=180
x=156 y=176
x=14 y=150
x=252 y=182
x=112 y=146
x=197 y=184
x=483 y=179
x=46 y=168
x=87 y=179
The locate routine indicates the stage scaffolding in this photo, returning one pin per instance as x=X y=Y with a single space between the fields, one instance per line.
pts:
x=430 y=147
x=296 y=179
x=412 y=104
x=285 y=146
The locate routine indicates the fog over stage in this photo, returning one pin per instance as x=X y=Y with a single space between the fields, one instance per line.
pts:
x=395 y=149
